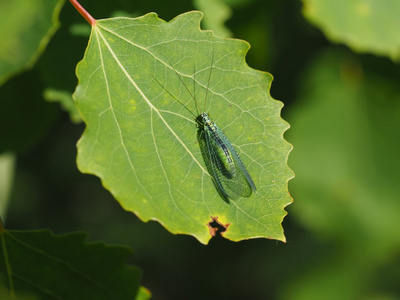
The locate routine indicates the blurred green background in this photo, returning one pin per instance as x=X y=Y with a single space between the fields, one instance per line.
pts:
x=335 y=65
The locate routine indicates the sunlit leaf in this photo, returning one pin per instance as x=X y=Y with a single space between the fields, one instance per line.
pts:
x=142 y=142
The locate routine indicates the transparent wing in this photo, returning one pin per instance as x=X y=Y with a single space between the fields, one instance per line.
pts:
x=230 y=187
x=237 y=159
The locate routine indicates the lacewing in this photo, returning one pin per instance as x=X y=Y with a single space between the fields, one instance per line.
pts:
x=230 y=176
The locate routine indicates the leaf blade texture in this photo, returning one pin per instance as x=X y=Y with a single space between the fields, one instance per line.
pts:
x=142 y=143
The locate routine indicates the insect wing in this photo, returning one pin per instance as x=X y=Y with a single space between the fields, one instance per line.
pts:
x=238 y=161
x=229 y=186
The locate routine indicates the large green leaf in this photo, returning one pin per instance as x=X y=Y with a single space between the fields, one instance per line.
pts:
x=364 y=25
x=64 y=267
x=25 y=29
x=142 y=143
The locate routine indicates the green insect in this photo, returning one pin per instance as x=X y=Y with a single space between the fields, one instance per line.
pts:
x=231 y=178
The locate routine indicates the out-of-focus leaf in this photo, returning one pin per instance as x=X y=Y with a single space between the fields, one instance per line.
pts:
x=365 y=26
x=24 y=115
x=80 y=29
x=216 y=13
x=66 y=102
x=7 y=166
x=26 y=27
x=64 y=267
x=142 y=143
x=237 y=3
x=345 y=132
x=143 y=294
x=5 y=294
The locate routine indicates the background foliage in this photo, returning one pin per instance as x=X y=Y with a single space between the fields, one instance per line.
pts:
x=344 y=111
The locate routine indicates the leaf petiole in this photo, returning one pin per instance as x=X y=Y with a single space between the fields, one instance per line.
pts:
x=83 y=12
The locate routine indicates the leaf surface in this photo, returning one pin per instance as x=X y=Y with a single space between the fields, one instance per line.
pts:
x=142 y=142
x=25 y=29
x=64 y=267
x=365 y=26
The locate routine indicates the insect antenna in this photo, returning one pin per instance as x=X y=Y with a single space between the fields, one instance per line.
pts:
x=180 y=102
x=194 y=90
x=191 y=95
x=208 y=83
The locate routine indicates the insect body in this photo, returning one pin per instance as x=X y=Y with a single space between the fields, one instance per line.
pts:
x=231 y=178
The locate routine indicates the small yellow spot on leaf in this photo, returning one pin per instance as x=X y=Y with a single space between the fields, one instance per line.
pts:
x=133 y=105
x=363 y=9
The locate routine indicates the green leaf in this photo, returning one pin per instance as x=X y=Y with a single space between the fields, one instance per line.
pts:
x=365 y=26
x=143 y=294
x=26 y=27
x=64 y=267
x=142 y=142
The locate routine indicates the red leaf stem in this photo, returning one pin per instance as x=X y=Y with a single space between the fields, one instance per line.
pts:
x=83 y=12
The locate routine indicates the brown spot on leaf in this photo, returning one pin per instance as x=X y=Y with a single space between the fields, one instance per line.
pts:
x=216 y=227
